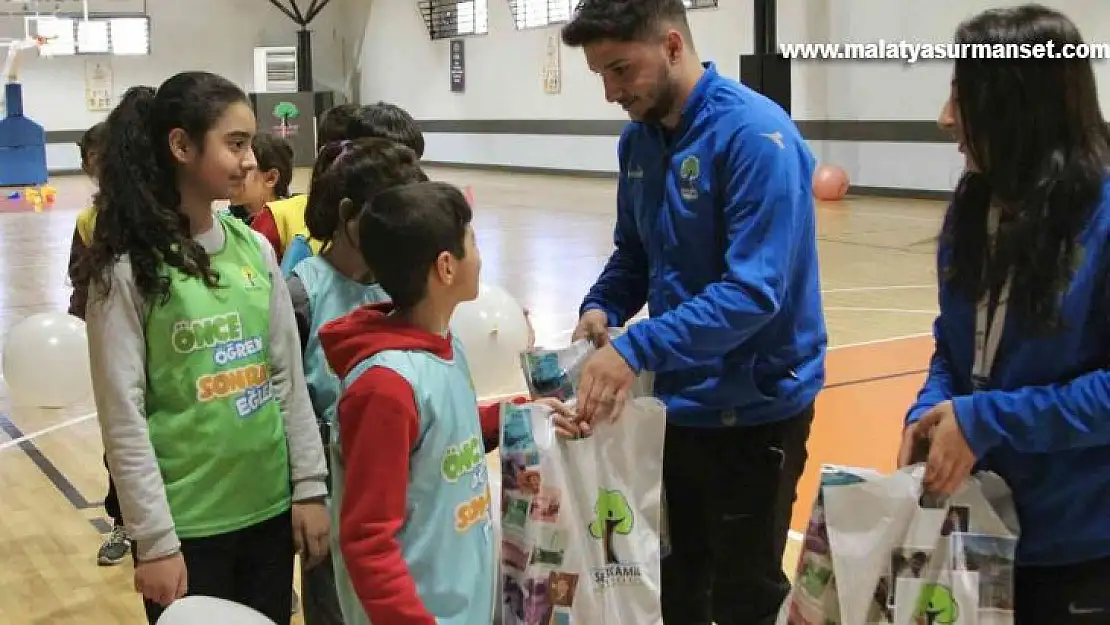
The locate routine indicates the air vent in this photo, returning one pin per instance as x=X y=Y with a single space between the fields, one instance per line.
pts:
x=275 y=69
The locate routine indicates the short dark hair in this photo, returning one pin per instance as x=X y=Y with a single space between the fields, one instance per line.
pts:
x=621 y=20
x=335 y=123
x=392 y=122
x=273 y=152
x=357 y=171
x=347 y=122
x=403 y=231
x=91 y=141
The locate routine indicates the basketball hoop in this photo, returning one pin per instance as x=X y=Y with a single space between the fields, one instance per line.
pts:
x=16 y=48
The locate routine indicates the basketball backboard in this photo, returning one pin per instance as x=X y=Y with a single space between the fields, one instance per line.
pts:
x=72 y=7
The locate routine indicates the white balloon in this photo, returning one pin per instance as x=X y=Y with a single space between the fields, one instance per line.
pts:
x=46 y=361
x=494 y=332
x=200 y=610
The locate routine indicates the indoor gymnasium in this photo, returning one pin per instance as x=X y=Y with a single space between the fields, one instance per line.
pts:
x=498 y=94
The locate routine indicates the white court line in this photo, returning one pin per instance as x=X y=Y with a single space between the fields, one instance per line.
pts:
x=885 y=215
x=892 y=339
x=796 y=536
x=863 y=289
x=30 y=437
x=793 y=535
x=908 y=311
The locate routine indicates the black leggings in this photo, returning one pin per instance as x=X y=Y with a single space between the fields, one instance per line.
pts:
x=111 y=500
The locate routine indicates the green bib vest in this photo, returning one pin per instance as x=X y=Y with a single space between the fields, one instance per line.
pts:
x=214 y=421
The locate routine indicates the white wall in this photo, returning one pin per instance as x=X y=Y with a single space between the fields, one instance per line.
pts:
x=400 y=64
x=212 y=35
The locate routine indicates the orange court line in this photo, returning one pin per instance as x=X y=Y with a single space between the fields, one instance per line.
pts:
x=859 y=414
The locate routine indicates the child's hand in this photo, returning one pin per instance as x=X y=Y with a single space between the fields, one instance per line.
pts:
x=311 y=526
x=162 y=580
x=566 y=422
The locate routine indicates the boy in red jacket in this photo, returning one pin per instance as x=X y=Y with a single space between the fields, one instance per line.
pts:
x=410 y=482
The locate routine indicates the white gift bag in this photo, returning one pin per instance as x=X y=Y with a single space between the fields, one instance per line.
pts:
x=877 y=552
x=580 y=519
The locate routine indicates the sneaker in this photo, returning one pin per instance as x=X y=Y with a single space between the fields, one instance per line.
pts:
x=116 y=548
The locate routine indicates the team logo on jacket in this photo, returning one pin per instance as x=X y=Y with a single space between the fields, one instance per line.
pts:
x=688 y=174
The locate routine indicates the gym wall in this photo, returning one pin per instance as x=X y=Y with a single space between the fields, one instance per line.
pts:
x=877 y=119
x=213 y=35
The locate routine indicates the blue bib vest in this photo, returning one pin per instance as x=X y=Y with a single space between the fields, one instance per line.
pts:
x=447 y=538
x=330 y=296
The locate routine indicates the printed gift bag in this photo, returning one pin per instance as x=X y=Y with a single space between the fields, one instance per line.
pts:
x=877 y=552
x=580 y=519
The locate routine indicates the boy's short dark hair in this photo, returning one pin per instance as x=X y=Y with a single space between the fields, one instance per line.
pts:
x=621 y=20
x=382 y=120
x=335 y=123
x=91 y=141
x=403 y=231
x=273 y=152
x=392 y=122
x=357 y=171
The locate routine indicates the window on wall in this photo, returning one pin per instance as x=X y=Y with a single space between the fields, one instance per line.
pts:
x=68 y=36
x=129 y=35
x=60 y=33
x=539 y=13
x=454 y=18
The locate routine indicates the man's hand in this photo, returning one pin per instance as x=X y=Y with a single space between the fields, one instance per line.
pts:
x=915 y=445
x=594 y=327
x=950 y=457
x=163 y=580
x=603 y=385
x=311 y=527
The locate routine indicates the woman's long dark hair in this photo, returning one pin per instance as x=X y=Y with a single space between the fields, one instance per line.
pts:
x=138 y=202
x=1035 y=131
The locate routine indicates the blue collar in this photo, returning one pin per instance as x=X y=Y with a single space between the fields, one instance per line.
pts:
x=693 y=102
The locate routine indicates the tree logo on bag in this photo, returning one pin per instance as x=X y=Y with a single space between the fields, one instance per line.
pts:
x=613 y=516
x=937 y=606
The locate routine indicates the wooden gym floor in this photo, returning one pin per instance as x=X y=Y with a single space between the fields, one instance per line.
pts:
x=545 y=239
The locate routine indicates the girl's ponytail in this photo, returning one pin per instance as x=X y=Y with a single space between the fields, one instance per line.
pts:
x=138 y=203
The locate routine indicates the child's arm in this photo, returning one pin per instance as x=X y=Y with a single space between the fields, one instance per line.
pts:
x=299 y=296
x=265 y=224
x=378 y=427
x=306 y=450
x=117 y=355
x=490 y=418
x=78 y=299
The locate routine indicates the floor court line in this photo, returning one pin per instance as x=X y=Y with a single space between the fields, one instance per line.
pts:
x=866 y=289
x=71 y=493
x=904 y=311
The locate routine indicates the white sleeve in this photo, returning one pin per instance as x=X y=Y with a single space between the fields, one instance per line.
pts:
x=306 y=449
x=117 y=355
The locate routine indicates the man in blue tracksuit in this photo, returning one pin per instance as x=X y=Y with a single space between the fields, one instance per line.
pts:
x=715 y=233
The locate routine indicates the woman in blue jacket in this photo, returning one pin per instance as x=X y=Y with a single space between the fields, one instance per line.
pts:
x=1019 y=382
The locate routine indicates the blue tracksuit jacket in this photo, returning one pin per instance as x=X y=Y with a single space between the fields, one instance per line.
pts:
x=716 y=234
x=1043 y=421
